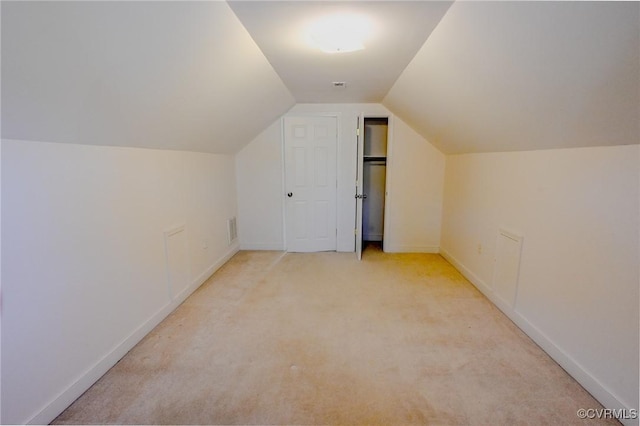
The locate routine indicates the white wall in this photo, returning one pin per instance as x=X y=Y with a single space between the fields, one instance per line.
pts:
x=415 y=191
x=577 y=293
x=84 y=271
x=416 y=177
x=259 y=180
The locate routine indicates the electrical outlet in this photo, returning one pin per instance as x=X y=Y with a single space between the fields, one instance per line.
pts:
x=205 y=244
x=479 y=248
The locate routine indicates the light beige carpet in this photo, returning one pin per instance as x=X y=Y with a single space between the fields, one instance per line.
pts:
x=321 y=338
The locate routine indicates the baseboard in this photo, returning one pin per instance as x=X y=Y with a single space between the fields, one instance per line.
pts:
x=393 y=248
x=599 y=391
x=197 y=282
x=262 y=246
x=89 y=377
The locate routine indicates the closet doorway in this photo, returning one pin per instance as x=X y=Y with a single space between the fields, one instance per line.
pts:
x=371 y=185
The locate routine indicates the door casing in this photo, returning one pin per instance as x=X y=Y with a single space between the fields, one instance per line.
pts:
x=359 y=177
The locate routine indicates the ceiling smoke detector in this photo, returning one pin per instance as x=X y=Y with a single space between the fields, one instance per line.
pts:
x=339 y=84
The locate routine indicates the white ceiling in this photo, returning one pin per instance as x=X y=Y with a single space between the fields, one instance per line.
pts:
x=210 y=76
x=513 y=76
x=167 y=75
x=399 y=29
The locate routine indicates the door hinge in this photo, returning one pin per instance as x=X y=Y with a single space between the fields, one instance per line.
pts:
x=358 y=132
x=355 y=231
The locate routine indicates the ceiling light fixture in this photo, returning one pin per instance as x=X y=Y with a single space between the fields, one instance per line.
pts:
x=339 y=33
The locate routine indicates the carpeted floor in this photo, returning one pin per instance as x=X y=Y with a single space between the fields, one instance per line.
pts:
x=275 y=338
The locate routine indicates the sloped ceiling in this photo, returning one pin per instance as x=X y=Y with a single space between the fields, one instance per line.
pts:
x=491 y=76
x=169 y=75
x=398 y=30
x=506 y=76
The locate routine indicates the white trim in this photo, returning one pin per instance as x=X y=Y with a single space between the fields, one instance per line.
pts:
x=283 y=188
x=359 y=185
x=388 y=197
x=400 y=248
x=387 y=189
x=599 y=391
x=48 y=413
x=362 y=116
x=262 y=246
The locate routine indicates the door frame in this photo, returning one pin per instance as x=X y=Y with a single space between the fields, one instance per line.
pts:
x=388 y=178
x=283 y=157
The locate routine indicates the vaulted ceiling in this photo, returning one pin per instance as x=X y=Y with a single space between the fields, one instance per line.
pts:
x=168 y=75
x=398 y=30
x=209 y=76
x=509 y=76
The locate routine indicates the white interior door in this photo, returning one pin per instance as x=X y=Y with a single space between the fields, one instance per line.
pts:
x=310 y=183
x=359 y=180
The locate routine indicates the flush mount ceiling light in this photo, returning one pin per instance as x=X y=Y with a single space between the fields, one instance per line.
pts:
x=339 y=33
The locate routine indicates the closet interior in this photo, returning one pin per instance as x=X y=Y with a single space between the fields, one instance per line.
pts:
x=374 y=176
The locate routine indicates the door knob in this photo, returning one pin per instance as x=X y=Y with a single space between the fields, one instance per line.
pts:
x=289 y=194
